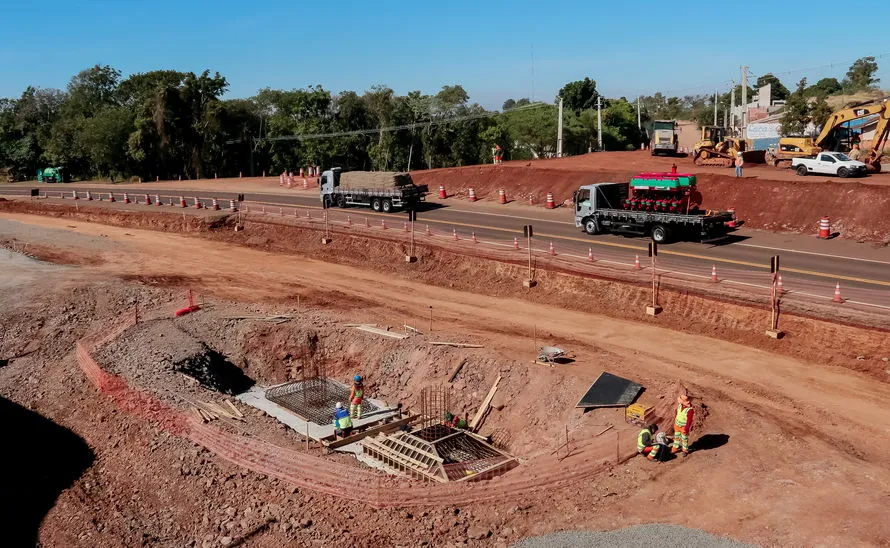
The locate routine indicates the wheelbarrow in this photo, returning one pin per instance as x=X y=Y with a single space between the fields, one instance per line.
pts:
x=550 y=355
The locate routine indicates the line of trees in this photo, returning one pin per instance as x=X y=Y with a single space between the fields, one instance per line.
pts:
x=172 y=124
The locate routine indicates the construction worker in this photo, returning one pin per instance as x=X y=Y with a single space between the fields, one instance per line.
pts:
x=739 y=162
x=645 y=442
x=855 y=152
x=682 y=425
x=355 y=397
x=342 y=421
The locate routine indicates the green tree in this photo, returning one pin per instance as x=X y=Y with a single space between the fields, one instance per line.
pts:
x=778 y=90
x=861 y=75
x=579 y=95
x=824 y=87
x=819 y=111
x=797 y=111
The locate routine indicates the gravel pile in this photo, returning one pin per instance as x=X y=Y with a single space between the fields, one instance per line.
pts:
x=636 y=536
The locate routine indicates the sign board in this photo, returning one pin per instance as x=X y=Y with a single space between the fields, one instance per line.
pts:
x=412 y=215
x=764 y=131
x=774 y=264
x=653 y=249
x=527 y=231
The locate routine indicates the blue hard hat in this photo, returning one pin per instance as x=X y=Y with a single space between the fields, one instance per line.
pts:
x=357 y=378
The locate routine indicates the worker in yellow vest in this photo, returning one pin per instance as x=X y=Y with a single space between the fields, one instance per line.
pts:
x=682 y=425
x=645 y=443
x=355 y=397
x=342 y=422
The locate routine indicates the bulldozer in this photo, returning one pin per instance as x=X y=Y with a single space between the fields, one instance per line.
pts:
x=790 y=148
x=715 y=148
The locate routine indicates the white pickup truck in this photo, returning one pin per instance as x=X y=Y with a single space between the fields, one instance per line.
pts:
x=829 y=163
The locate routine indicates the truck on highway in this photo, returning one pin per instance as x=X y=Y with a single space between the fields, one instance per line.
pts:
x=830 y=163
x=380 y=190
x=663 y=206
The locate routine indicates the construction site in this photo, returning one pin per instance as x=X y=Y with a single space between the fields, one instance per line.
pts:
x=180 y=368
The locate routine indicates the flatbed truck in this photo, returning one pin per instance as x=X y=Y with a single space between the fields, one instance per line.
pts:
x=598 y=210
x=383 y=199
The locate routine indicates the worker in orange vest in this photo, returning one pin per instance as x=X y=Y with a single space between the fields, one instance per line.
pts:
x=682 y=425
x=355 y=397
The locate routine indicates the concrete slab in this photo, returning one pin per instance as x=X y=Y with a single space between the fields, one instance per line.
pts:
x=256 y=398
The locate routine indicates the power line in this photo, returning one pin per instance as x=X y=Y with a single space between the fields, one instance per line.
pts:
x=374 y=131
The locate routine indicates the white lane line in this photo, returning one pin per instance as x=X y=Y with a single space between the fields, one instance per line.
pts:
x=814 y=253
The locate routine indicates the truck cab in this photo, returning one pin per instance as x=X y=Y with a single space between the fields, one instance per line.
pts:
x=330 y=179
x=592 y=198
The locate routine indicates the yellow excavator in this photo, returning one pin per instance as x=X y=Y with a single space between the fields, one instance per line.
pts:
x=829 y=140
x=716 y=149
x=790 y=148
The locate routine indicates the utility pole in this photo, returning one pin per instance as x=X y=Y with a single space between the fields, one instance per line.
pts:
x=744 y=133
x=599 y=122
x=715 y=107
x=732 y=107
x=639 y=123
x=559 y=131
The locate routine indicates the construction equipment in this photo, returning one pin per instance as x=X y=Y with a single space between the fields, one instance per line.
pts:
x=790 y=148
x=664 y=206
x=551 y=355
x=53 y=175
x=832 y=138
x=716 y=149
x=664 y=138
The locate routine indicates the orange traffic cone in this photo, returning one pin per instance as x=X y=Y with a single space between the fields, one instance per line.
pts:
x=552 y=251
x=779 y=289
x=383 y=224
x=837 y=293
x=590 y=254
x=515 y=243
x=454 y=230
x=714 y=273
x=637 y=262
x=182 y=202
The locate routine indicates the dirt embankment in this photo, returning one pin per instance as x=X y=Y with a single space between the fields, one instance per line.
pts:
x=806 y=337
x=858 y=210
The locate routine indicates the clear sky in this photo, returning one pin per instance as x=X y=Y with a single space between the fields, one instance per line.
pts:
x=495 y=50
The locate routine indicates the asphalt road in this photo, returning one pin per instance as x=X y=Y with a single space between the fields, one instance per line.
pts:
x=810 y=266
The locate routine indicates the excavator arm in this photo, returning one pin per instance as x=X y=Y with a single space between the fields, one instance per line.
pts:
x=849 y=114
x=882 y=131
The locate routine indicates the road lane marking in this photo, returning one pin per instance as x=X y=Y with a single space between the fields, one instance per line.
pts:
x=815 y=253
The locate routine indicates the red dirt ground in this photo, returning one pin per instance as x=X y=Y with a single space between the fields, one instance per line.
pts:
x=766 y=198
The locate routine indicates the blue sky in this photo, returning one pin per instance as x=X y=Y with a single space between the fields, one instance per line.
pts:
x=495 y=50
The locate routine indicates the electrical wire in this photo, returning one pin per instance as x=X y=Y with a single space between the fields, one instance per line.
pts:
x=420 y=123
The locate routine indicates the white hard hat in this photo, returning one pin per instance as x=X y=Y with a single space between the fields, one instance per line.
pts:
x=339 y=405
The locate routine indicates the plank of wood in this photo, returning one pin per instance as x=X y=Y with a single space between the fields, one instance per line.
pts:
x=378 y=331
x=409 y=328
x=485 y=403
x=197 y=413
x=606 y=430
x=456 y=370
x=455 y=344
x=235 y=409
x=382 y=428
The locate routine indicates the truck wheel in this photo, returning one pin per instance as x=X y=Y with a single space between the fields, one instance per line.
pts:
x=341 y=201
x=660 y=234
x=843 y=173
x=387 y=206
x=802 y=170
x=375 y=204
x=591 y=227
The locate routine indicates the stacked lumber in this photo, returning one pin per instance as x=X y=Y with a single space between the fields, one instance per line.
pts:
x=375 y=179
x=207 y=412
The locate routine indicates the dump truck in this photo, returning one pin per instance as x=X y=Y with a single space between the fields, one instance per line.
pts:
x=663 y=206
x=380 y=190
x=664 y=138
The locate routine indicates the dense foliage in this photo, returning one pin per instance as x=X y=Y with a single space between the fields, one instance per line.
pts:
x=171 y=124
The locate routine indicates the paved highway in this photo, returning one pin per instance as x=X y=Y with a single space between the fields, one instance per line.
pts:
x=810 y=266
